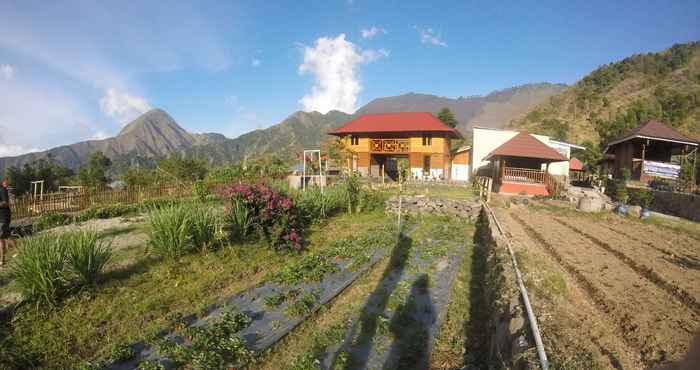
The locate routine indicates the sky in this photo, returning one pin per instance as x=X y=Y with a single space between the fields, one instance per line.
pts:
x=78 y=70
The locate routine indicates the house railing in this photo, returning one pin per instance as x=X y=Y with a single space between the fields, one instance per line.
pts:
x=525 y=175
x=390 y=145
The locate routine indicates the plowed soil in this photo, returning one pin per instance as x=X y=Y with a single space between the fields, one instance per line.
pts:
x=633 y=289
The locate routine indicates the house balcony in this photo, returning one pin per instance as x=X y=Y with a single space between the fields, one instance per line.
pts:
x=390 y=146
x=527 y=181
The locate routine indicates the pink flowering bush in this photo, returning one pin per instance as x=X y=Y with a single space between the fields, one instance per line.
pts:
x=268 y=211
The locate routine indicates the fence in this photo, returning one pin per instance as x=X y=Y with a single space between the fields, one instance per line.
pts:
x=523 y=175
x=29 y=206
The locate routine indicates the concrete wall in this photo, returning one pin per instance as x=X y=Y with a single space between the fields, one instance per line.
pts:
x=676 y=204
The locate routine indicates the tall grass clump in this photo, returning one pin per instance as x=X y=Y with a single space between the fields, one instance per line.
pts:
x=240 y=220
x=86 y=256
x=183 y=228
x=170 y=232
x=206 y=228
x=39 y=268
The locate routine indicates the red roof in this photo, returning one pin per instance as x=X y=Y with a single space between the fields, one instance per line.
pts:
x=575 y=165
x=395 y=122
x=655 y=130
x=526 y=146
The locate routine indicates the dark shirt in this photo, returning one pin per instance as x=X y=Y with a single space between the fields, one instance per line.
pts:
x=4 y=202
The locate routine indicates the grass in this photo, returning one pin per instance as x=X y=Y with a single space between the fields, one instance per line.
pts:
x=140 y=293
x=455 y=192
x=448 y=349
x=688 y=227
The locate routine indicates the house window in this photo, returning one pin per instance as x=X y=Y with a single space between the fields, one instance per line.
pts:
x=354 y=140
x=427 y=140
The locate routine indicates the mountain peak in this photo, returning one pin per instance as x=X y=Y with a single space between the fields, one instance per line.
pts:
x=154 y=119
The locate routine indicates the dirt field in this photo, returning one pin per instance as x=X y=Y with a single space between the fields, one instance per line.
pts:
x=612 y=292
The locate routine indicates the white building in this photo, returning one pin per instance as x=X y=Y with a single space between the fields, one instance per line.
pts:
x=488 y=139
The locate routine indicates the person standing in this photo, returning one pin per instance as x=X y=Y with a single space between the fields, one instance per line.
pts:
x=5 y=219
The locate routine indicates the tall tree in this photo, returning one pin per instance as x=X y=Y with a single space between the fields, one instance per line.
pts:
x=94 y=174
x=184 y=169
x=52 y=173
x=447 y=117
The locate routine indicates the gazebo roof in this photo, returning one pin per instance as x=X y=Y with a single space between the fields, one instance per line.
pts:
x=654 y=130
x=525 y=145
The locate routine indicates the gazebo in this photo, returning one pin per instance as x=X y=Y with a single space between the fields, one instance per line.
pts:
x=648 y=152
x=521 y=164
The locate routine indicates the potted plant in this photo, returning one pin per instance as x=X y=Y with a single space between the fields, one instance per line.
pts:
x=621 y=196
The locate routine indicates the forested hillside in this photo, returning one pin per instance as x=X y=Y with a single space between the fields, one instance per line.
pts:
x=616 y=97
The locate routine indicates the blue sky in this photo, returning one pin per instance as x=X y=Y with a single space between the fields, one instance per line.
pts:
x=75 y=70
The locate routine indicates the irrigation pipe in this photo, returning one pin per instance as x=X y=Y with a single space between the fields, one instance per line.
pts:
x=523 y=291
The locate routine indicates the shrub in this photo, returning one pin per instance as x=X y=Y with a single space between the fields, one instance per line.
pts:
x=87 y=255
x=201 y=190
x=39 y=268
x=182 y=228
x=51 y=220
x=621 y=194
x=205 y=228
x=240 y=220
x=170 y=232
x=273 y=212
x=642 y=198
x=351 y=188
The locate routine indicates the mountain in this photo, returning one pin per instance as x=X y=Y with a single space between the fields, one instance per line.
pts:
x=493 y=110
x=152 y=135
x=155 y=134
x=301 y=130
x=615 y=98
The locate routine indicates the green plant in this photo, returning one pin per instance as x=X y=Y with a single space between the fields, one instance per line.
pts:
x=275 y=300
x=642 y=198
x=240 y=219
x=621 y=194
x=170 y=232
x=39 y=268
x=121 y=352
x=201 y=190
x=311 y=267
x=303 y=305
x=206 y=228
x=86 y=256
x=151 y=365
x=50 y=220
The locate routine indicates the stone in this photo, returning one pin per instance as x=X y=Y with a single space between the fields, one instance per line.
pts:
x=590 y=204
x=516 y=324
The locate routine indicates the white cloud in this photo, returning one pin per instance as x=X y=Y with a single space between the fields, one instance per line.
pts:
x=13 y=150
x=334 y=62
x=100 y=135
x=7 y=71
x=122 y=106
x=428 y=36
x=369 y=33
x=255 y=62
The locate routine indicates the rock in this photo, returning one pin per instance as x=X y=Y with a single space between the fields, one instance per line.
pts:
x=590 y=204
x=515 y=325
x=634 y=211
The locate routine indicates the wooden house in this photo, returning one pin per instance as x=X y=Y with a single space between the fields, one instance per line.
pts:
x=375 y=142
x=648 y=152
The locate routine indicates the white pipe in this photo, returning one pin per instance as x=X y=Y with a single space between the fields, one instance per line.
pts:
x=523 y=291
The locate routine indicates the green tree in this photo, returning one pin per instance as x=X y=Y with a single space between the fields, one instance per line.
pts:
x=94 y=173
x=52 y=173
x=137 y=176
x=447 y=117
x=591 y=156
x=686 y=178
x=176 y=167
x=555 y=128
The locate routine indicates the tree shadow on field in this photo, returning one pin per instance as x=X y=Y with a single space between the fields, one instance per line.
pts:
x=476 y=329
x=375 y=305
x=125 y=272
x=410 y=326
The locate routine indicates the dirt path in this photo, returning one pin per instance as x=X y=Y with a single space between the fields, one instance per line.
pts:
x=675 y=242
x=565 y=317
x=651 y=320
